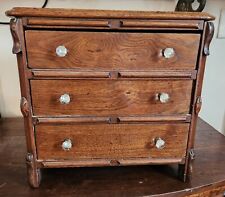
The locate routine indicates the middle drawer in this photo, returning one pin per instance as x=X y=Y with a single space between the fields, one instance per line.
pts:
x=111 y=97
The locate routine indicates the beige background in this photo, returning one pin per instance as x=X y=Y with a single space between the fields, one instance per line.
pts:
x=213 y=110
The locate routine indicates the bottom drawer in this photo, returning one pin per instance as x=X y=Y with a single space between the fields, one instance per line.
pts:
x=111 y=141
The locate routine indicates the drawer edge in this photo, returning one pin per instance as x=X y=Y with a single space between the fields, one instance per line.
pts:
x=111 y=120
x=108 y=162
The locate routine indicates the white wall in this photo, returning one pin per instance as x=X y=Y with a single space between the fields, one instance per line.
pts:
x=213 y=110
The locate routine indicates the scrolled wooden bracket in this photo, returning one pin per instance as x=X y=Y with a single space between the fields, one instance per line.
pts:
x=209 y=35
x=186 y=5
x=191 y=159
x=198 y=104
x=24 y=106
x=192 y=154
x=34 y=174
x=14 y=28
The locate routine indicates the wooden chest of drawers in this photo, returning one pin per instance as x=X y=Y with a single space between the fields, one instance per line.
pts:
x=109 y=88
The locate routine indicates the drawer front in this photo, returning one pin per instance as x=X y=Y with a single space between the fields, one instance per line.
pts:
x=111 y=51
x=89 y=141
x=111 y=97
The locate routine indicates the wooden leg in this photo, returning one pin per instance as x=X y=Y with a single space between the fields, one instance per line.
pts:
x=34 y=173
x=185 y=172
x=190 y=163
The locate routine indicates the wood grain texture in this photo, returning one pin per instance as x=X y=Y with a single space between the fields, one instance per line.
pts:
x=208 y=175
x=111 y=141
x=190 y=24
x=105 y=119
x=107 y=162
x=111 y=51
x=67 y=22
x=113 y=71
x=17 y=30
x=110 y=97
x=119 y=24
x=82 y=13
x=197 y=94
x=72 y=73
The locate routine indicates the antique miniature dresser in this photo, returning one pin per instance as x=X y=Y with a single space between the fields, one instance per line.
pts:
x=109 y=88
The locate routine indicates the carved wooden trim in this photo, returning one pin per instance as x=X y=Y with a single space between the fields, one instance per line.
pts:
x=111 y=120
x=34 y=174
x=108 y=162
x=14 y=28
x=209 y=35
x=104 y=14
x=24 y=106
x=113 y=24
x=66 y=22
x=62 y=73
x=192 y=24
x=186 y=5
x=198 y=104
x=191 y=158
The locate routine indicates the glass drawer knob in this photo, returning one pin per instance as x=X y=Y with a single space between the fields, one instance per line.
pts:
x=163 y=97
x=168 y=53
x=64 y=99
x=160 y=143
x=67 y=144
x=61 y=51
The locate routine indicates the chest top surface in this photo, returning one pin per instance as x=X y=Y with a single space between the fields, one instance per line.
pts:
x=84 y=13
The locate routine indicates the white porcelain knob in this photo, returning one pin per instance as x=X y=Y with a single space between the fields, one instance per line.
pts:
x=168 y=53
x=67 y=144
x=64 y=99
x=61 y=51
x=159 y=143
x=163 y=97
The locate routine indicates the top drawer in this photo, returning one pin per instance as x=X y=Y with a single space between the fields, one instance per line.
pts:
x=111 y=50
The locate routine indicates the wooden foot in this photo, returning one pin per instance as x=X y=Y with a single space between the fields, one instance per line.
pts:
x=34 y=173
x=190 y=163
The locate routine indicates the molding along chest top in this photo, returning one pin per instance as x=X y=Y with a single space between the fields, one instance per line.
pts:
x=109 y=88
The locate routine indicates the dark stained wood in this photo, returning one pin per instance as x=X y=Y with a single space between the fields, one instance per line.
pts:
x=33 y=173
x=209 y=32
x=208 y=171
x=197 y=94
x=32 y=170
x=81 y=13
x=121 y=141
x=111 y=51
x=110 y=97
